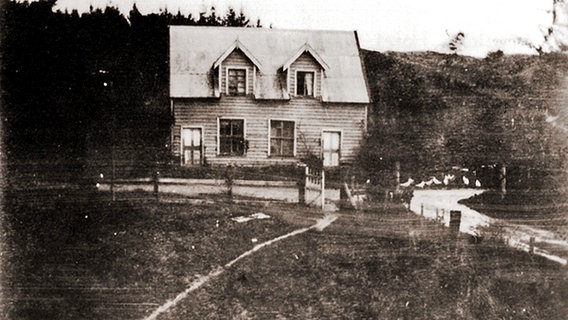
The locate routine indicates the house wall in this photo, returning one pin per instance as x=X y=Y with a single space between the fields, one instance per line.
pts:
x=305 y=62
x=309 y=114
x=237 y=60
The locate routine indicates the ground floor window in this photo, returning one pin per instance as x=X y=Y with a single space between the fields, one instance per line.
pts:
x=331 y=147
x=282 y=138
x=231 y=137
x=191 y=141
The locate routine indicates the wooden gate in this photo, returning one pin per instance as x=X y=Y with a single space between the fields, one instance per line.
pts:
x=315 y=182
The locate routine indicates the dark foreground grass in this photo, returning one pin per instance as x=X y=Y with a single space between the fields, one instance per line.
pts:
x=71 y=254
x=413 y=271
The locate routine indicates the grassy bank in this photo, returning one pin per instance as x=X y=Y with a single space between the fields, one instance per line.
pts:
x=535 y=208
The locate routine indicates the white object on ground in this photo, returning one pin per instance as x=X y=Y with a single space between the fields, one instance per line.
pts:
x=256 y=216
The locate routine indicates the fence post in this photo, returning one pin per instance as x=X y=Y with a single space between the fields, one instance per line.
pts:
x=156 y=181
x=113 y=169
x=503 y=180
x=422 y=209
x=343 y=197
x=303 y=175
x=531 y=245
x=455 y=221
x=322 y=188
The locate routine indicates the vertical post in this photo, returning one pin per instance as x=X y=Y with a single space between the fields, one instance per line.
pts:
x=343 y=197
x=352 y=183
x=302 y=184
x=437 y=214
x=503 y=180
x=397 y=176
x=307 y=175
x=322 y=188
x=155 y=180
x=531 y=245
x=422 y=209
x=113 y=169
x=455 y=221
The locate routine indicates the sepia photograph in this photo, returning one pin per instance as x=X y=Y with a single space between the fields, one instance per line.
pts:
x=283 y=159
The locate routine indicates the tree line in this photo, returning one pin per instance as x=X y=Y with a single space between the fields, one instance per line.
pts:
x=72 y=80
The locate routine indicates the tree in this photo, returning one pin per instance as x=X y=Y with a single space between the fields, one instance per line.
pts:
x=232 y=19
x=66 y=76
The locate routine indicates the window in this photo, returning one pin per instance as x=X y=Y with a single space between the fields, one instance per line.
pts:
x=236 y=82
x=305 y=83
x=231 y=137
x=192 y=153
x=331 y=145
x=282 y=138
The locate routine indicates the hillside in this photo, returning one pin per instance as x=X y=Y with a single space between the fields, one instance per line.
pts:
x=433 y=111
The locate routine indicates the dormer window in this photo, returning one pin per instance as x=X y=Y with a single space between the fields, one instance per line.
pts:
x=236 y=82
x=236 y=70
x=305 y=83
x=305 y=72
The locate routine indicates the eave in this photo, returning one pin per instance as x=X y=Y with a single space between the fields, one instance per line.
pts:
x=306 y=48
x=237 y=45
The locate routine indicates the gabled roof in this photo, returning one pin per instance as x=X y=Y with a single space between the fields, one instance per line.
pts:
x=237 y=45
x=305 y=48
x=195 y=50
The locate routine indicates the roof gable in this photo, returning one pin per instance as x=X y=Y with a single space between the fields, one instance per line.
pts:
x=237 y=45
x=306 y=48
x=195 y=50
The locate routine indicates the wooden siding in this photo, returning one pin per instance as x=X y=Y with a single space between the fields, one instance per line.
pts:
x=310 y=115
x=237 y=60
x=305 y=62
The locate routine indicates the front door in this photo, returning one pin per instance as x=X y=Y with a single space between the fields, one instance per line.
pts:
x=331 y=144
x=191 y=142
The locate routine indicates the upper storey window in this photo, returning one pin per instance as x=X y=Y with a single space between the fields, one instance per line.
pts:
x=305 y=72
x=305 y=83
x=236 y=82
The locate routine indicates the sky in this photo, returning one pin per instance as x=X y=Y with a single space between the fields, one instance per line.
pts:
x=382 y=25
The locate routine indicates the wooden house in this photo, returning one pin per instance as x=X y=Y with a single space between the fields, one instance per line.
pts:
x=258 y=97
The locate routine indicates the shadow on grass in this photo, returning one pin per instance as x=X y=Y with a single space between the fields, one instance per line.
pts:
x=384 y=265
x=73 y=254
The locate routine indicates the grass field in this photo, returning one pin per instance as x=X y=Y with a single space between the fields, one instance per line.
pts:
x=77 y=256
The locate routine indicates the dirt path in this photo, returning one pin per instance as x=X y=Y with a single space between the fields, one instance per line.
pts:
x=319 y=226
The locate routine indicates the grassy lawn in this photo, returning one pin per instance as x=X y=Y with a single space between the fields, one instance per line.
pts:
x=383 y=266
x=72 y=255
x=76 y=257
